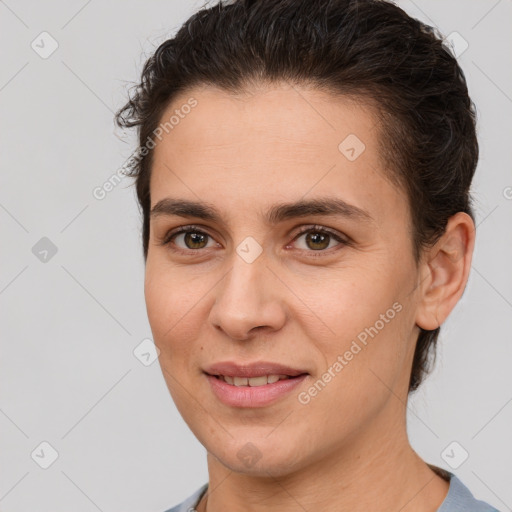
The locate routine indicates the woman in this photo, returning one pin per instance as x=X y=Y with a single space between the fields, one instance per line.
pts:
x=303 y=173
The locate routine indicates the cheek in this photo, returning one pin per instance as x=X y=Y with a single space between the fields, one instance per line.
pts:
x=169 y=305
x=170 y=313
x=158 y=295
x=348 y=302
x=177 y=304
x=368 y=324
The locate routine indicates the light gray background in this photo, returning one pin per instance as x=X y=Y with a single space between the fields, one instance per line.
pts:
x=69 y=325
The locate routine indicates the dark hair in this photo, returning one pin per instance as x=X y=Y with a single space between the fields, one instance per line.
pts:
x=366 y=49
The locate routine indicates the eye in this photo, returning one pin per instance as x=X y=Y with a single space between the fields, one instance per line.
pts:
x=316 y=239
x=319 y=239
x=188 y=238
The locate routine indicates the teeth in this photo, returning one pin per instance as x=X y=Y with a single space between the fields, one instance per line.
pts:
x=253 y=381
x=240 y=381
x=258 y=381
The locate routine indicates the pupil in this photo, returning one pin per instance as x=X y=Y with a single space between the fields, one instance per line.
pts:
x=194 y=238
x=318 y=238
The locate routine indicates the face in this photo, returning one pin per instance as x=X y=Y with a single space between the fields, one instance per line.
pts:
x=301 y=257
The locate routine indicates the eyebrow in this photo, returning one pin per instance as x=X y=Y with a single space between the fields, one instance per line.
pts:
x=329 y=206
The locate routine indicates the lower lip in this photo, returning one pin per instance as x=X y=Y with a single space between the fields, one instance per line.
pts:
x=257 y=396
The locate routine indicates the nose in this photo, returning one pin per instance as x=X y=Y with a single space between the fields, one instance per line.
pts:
x=248 y=300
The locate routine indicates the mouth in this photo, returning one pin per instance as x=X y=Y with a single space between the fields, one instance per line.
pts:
x=251 y=370
x=252 y=385
x=254 y=382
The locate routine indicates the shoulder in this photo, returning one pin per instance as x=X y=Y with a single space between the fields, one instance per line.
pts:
x=460 y=499
x=190 y=503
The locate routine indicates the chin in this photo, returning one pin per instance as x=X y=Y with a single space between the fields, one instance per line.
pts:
x=268 y=469
x=258 y=458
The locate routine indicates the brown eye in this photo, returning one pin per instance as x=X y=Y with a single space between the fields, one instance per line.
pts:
x=194 y=240
x=188 y=238
x=318 y=239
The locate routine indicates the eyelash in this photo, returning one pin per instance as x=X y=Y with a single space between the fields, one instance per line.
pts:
x=309 y=229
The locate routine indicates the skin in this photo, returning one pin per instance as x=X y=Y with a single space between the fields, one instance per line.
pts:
x=347 y=449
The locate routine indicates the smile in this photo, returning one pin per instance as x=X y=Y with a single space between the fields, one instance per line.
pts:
x=253 y=381
x=251 y=392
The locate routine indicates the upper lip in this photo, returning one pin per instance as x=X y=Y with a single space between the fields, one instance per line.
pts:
x=253 y=369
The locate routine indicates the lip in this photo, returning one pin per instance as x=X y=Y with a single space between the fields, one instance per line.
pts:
x=258 y=396
x=252 y=369
x=248 y=396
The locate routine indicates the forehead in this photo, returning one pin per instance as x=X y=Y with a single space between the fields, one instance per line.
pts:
x=271 y=144
x=277 y=117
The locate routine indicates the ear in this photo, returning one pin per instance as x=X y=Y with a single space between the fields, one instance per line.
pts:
x=445 y=271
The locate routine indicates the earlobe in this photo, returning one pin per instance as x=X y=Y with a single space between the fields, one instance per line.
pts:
x=445 y=272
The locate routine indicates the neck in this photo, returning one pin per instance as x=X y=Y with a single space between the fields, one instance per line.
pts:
x=368 y=473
